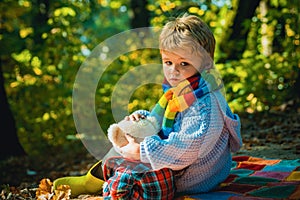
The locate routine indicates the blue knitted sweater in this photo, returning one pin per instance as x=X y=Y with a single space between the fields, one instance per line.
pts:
x=199 y=148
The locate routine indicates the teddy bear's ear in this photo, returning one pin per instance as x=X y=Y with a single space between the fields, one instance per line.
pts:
x=116 y=136
x=111 y=133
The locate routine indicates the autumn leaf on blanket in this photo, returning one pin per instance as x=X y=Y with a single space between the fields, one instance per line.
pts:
x=62 y=192
x=44 y=192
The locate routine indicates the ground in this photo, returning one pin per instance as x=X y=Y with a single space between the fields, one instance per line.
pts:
x=267 y=135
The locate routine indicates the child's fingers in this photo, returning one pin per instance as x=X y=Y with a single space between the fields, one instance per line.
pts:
x=129 y=138
x=131 y=150
x=135 y=117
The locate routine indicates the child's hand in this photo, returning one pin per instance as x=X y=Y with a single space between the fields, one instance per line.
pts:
x=135 y=117
x=131 y=150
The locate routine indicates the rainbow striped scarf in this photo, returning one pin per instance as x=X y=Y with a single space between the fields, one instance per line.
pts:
x=178 y=99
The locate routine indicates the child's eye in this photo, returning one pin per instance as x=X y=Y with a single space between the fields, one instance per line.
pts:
x=184 y=64
x=168 y=63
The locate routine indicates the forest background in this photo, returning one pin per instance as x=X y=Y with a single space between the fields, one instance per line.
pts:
x=44 y=43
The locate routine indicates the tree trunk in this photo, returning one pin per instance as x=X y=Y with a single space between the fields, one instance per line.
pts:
x=9 y=142
x=140 y=14
x=266 y=40
x=39 y=23
x=296 y=87
x=237 y=39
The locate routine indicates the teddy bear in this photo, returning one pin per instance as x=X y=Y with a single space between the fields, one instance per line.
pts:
x=137 y=129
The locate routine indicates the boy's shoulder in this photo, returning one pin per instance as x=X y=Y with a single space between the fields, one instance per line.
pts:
x=207 y=101
x=199 y=107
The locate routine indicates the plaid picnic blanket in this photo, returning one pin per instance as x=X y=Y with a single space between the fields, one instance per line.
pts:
x=127 y=179
x=253 y=178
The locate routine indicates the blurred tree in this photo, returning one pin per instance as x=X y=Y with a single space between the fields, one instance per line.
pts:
x=235 y=43
x=140 y=14
x=44 y=43
x=9 y=143
x=38 y=21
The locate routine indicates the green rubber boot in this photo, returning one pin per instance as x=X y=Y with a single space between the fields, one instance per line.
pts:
x=91 y=183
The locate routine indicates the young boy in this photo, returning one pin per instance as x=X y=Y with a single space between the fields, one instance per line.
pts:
x=199 y=131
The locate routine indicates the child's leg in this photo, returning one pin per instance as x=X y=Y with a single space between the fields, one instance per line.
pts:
x=112 y=153
x=91 y=183
x=86 y=184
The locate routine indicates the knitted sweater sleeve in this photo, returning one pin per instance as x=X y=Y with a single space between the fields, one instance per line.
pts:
x=196 y=131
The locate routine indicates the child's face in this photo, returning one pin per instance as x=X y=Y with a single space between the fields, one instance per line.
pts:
x=180 y=65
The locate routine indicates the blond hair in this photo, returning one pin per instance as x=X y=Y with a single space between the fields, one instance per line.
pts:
x=187 y=31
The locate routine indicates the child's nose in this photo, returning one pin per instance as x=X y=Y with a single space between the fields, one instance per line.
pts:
x=174 y=68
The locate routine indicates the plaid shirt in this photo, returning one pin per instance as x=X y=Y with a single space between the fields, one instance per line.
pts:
x=127 y=179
